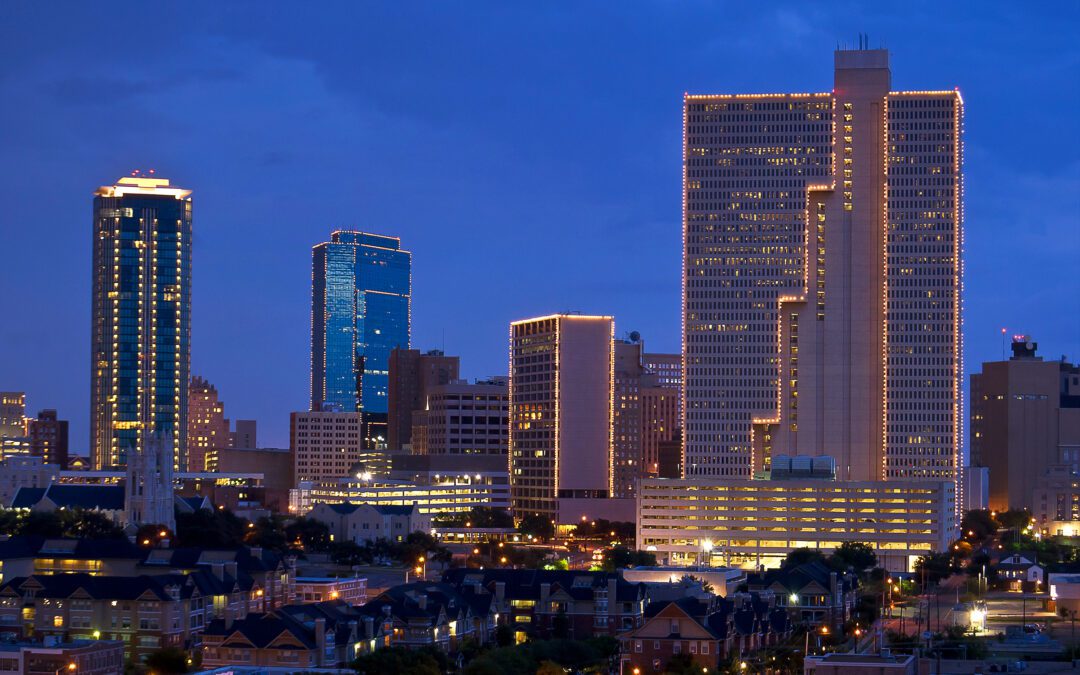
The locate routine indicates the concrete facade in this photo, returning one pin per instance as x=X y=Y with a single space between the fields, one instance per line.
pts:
x=561 y=382
x=750 y=523
x=822 y=240
x=1025 y=428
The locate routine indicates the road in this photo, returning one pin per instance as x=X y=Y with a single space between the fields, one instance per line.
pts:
x=910 y=617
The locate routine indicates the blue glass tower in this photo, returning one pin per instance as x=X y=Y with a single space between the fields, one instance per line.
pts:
x=141 y=331
x=361 y=294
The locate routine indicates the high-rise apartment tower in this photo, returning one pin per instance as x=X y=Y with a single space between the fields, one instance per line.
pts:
x=140 y=353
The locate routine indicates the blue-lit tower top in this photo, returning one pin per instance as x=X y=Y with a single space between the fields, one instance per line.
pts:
x=361 y=294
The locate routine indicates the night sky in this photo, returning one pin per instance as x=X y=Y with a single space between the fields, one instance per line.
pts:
x=529 y=157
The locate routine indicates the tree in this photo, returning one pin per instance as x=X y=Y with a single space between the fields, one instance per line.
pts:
x=682 y=664
x=10 y=521
x=396 y=660
x=151 y=535
x=478 y=516
x=168 y=660
x=78 y=523
x=801 y=556
x=268 y=533
x=979 y=522
x=857 y=555
x=210 y=529
x=605 y=529
x=560 y=625
x=504 y=636
x=417 y=544
x=1014 y=519
x=43 y=524
x=349 y=553
x=620 y=557
x=689 y=580
x=312 y=535
x=550 y=668
x=537 y=525
x=934 y=567
x=87 y=524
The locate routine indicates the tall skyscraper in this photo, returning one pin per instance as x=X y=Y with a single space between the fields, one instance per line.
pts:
x=141 y=319
x=646 y=396
x=561 y=380
x=244 y=435
x=458 y=418
x=412 y=375
x=208 y=429
x=12 y=414
x=822 y=277
x=361 y=294
x=1025 y=427
x=325 y=444
x=626 y=455
x=48 y=438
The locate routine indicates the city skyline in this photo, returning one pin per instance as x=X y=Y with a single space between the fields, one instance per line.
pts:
x=634 y=276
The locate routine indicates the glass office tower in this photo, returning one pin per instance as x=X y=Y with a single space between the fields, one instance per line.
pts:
x=361 y=294
x=141 y=324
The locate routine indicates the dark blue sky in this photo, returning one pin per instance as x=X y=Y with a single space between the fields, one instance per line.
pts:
x=529 y=156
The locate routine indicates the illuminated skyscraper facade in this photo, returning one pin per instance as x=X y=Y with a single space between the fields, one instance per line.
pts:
x=822 y=278
x=141 y=319
x=12 y=413
x=561 y=382
x=207 y=429
x=360 y=310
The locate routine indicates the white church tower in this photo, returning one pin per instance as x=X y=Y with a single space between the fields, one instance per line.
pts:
x=148 y=493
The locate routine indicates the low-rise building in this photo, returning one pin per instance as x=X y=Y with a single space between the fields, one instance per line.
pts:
x=708 y=630
x=327 y=634
x=754 y=523
x=431 y=614
x=251 y=578
x=445 y=494
x=272 y=640
x=352 y=590
x=531 y=602
x=723 y=581
x=364 y=523
x=48 y=437
x=145 y=613
x=1065 y=590
x=459 y=418
x=48 y=657
x=108 y=500
x=274 y=464
x=865 y=664
x=811 y=593
x=1021 y=571
x=24 y=472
